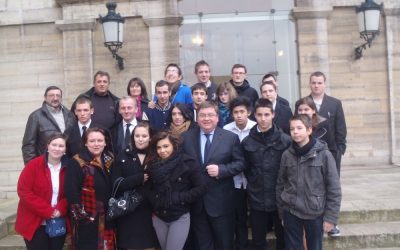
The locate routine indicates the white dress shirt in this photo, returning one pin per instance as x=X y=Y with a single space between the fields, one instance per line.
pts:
x=80 y=125
x=131 y=127
x=239 y=179
x=55 y=181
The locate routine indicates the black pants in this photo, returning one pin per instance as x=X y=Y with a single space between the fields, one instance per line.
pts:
x=260 y=222
x=294 y=230
x=212 y=233
x=41 y=241
x=241 y=232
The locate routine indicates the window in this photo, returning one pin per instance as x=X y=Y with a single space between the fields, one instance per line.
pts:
x=261 y=39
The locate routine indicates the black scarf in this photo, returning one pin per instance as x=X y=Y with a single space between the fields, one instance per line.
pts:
x=301 y=151
x=160 y=172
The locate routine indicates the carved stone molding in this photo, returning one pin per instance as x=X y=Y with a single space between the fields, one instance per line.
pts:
x=174 y=20
x=86 y=24
x=310 y=13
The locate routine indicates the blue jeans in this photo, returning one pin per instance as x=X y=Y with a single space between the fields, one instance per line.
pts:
x=294 y=227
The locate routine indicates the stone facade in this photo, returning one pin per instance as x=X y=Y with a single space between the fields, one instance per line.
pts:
x=327 y=37
x=45 y=42
x=48 y=42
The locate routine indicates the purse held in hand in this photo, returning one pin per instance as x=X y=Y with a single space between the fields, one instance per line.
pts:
x=56 y=227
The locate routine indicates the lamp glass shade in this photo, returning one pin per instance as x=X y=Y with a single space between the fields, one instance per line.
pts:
x=368 y=21
x=121 y=32
x=113 y=32
x=372 y=18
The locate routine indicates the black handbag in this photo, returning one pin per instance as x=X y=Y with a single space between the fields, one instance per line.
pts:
x=55 y=227
x=125 y=204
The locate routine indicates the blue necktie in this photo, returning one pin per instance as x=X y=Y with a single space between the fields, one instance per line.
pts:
x=207 y=147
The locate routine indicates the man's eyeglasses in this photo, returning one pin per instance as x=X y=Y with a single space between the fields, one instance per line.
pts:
x=210 y=115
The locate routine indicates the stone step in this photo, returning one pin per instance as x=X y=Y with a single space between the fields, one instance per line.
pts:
x=379 y=235
x=12 y=242
x=8 y=210
x=16 y=242
x=369 y=216
x=385 y=236
x=366 y=235
x=11 y=226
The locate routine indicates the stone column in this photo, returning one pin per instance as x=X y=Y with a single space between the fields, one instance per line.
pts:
x=78 y=55
x=393 y=49
x=313 y=47
x=164 y=45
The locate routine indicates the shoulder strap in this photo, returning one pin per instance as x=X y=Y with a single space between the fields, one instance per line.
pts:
x=116 y=186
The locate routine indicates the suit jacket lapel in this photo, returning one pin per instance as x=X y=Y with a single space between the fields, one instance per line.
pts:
x=323 y=106
x=120 y=132
x=276 y=111
x=196 y=141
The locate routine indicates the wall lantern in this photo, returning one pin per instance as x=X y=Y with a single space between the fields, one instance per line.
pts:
x=368 y=15
x=113 y=27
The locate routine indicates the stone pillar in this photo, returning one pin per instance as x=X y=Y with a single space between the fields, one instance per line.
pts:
x=393 y=50
x=78 y=56
x=164 y=45
x=313 y=47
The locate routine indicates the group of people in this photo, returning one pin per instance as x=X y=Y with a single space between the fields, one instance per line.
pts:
x=200 y=156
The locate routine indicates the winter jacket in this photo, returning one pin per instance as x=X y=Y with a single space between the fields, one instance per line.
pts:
x=40 y=126
x=128 y=166
x=247 y=91
x=77 y=188
x=308 y=186
x=35 y=191
x=185 y=184
x=158 y=117
x=183 y=95
x=263 y=159
x=322 y=132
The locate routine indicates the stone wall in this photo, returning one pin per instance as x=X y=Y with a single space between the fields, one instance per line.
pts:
x=49 y=42
x=45 y=42
x=327 y=36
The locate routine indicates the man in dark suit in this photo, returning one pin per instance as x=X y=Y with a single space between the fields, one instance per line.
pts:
x=121 y=133
x=330 y=108
x=219 y=154
x=282 y=112
x=83 y=113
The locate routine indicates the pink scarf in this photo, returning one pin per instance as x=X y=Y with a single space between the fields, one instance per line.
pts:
x=139 y=107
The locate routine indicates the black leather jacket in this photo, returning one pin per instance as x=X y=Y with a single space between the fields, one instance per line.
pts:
x=39 y=127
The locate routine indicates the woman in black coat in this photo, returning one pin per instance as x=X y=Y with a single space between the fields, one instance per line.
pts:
x=135 y=230
x=175 y=183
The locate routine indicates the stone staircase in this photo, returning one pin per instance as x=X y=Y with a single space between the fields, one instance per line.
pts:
x=369 y=218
